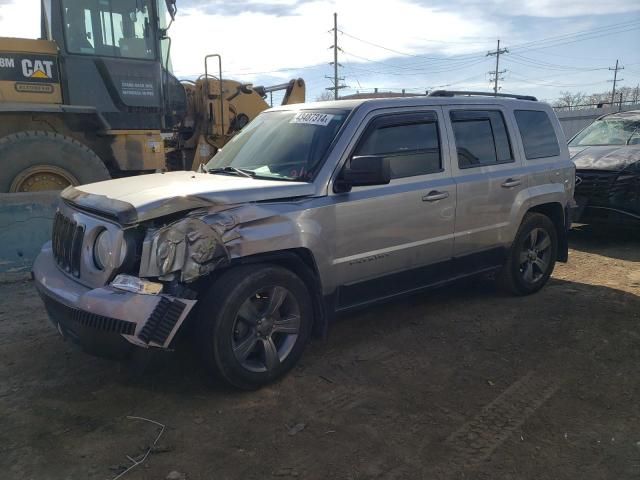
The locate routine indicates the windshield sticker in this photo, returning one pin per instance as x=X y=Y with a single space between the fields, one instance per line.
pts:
x=307 y=118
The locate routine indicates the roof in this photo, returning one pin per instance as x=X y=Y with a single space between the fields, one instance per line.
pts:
x=423 y=100
x=380 y=95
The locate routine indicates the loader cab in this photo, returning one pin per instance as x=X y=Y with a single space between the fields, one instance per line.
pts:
x=111 y=58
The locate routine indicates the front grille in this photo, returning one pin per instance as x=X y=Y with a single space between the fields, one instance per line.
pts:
x=66 y=241
x=625 y=192
x=88 y=319
x=620 y=190
x=595 y=185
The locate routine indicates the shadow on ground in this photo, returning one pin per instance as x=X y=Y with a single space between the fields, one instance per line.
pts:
x=623 y=244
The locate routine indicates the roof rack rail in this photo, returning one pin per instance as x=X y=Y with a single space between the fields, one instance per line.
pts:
x=453 y=93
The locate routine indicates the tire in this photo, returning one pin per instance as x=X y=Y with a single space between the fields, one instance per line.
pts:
x=528 y=267
x=39 y=160
x=238 y=335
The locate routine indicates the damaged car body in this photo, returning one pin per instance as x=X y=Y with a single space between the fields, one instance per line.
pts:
x=311 y=210
x=607 y=158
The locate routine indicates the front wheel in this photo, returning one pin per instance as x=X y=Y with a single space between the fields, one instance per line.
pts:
x=253 y=324
x=532 y=256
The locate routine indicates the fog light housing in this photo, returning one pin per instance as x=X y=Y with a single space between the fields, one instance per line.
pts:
x=132 y=284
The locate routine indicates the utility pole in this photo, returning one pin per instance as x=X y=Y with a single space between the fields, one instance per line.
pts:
x=615 y=80
x=497 y=52
x=336 y=79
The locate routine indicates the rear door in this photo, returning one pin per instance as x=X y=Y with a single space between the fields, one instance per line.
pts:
x=402 y=226
x=489 y=177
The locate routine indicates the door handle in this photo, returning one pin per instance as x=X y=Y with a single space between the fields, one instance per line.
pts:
x=434 y=196
x=511 y=182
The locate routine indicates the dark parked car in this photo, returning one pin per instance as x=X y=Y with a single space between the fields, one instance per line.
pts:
x=607 y=158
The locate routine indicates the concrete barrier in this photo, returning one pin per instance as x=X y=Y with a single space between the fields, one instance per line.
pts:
x=25 y=224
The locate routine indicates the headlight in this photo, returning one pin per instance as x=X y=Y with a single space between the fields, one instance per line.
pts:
x=103 y=254
x=189 y=248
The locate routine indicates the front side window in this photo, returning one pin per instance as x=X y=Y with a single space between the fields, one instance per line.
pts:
x=411 y=142
x=538 y=137
x=282 y=145
x=608 y=132
x=481 y=138
x=116 y=28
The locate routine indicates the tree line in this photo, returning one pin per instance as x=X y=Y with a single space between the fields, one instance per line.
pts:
x=578 y=100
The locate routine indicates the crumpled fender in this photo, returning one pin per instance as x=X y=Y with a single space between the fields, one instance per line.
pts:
x=189 y=247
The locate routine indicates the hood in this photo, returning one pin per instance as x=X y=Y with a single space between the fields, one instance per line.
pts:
x=135 y=199
x=606 y=157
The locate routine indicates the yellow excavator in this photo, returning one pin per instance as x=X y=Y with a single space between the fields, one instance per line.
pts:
x=95 y=98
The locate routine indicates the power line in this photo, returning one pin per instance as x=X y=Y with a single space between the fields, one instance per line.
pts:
x=559 y=74
x=582 y=39
x=550 y=66
x=408 y=70
x=556 y=38
x=520 y=78
x=531 y=46
x=398 y=52
x=526 y=46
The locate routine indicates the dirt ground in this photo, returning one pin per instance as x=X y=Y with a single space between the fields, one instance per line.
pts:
x=463 y=382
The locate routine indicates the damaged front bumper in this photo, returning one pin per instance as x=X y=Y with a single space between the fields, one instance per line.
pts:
x=106 y=321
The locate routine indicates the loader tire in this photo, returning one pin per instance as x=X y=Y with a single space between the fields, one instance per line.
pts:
x=33 y=161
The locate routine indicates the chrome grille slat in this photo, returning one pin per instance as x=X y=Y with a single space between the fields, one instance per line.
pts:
x=66 y=242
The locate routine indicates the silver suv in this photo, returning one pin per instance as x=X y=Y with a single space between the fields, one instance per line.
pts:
x=311 y=210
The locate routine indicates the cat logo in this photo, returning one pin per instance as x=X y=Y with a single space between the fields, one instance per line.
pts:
x=40 y=69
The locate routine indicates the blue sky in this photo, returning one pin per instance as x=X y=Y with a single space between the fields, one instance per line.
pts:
x=412 y=44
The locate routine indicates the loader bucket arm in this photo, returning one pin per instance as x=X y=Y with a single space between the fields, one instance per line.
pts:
x=295 y=91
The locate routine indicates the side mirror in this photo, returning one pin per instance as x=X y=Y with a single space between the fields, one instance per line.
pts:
x=363 y=171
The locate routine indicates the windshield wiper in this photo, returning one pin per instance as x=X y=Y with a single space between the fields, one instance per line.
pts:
x=242 y=172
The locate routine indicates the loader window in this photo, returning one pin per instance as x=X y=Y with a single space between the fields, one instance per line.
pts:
x=282 y=145
x=115 y=28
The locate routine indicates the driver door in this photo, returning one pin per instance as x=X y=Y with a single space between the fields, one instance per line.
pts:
x=389 y=237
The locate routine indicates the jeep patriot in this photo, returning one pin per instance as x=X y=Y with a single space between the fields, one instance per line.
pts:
x=312 y=209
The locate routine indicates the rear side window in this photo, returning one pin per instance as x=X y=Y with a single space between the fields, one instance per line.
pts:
x=481 y=138
x=411 y=142
x=538 y=136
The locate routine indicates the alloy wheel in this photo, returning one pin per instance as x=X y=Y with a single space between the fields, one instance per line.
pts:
x=266 y=328
x=535 y=255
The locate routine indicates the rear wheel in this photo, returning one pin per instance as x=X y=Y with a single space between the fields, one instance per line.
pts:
x=35 y=161
x=253 y=324
x=532 y=256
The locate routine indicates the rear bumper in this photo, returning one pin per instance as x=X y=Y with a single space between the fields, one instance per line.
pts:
x=105 y=321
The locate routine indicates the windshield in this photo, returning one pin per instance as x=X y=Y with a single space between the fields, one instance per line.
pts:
x=282 y=145
x=116 y=28
x=609 y=132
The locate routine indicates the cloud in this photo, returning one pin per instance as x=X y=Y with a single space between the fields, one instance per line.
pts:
x=226 y=8
x=541 y=8
x=259 y=38
x=254 y=41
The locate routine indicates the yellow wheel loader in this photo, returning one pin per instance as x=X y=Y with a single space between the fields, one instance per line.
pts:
x=95 y=98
